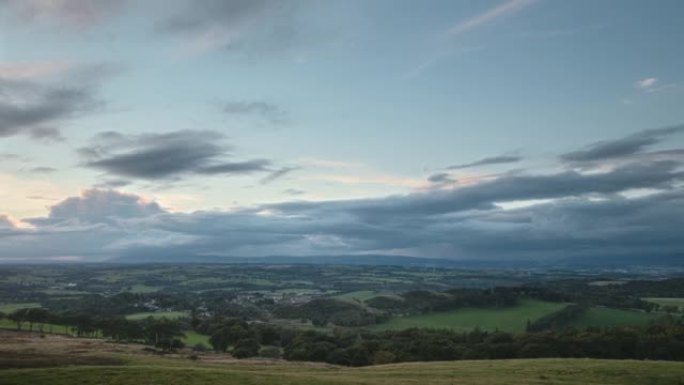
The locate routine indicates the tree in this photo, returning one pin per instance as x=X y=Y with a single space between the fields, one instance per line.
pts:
x=163 y=333
x=245 y=348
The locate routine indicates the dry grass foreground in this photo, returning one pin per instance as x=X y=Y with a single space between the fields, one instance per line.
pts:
x=31 y=360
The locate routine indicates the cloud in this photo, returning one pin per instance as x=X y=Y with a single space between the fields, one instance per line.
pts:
x=645 y=83
x=487 y=161
x=264 y=110
x=622 y=147
x=441 y=178
x=36 y=107
x=101 y=206
x=113 y=184
x=277 y=174
x=544 y=216
x=32 y=70
x=489 y=16
x=586 y=215
x=234 y=24
x=77 y=14
x=43 y=170
x=166 y=156
x=294 y=192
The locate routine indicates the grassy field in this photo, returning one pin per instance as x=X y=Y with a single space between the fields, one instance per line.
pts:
x=662 y=301
x=55 y=360
x=158 y=314
x=193 y=338
x=139 y=288
x=11 y=307
x=360 y=295
x=604 y=317
x=512 y=319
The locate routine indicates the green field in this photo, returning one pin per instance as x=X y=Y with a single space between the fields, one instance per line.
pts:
x=139 y=288
x=360 y=295
x=662 y=301
x=193 y=338
x=158 y=314
x=605 y=317
x=11 y=307
x=511 y=319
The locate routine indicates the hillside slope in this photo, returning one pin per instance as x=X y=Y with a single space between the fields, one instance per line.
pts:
x=66 y=361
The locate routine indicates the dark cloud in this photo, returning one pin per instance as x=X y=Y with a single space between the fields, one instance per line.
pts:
x=487 y=161
x=277 y=174
x=626 y=146
x=441 y=178
x=587 y=216
x=235 y=24
x=9 y=156
x=102 y=205
x=113 y=183
x=38 y=107
x=43 y=170
x=166 y=156
x=265 y=110
x=70 y=13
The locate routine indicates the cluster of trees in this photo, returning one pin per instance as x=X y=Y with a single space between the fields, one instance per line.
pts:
x=162 y=333
x=664 y=342
x=324 y=311
x=242 y=339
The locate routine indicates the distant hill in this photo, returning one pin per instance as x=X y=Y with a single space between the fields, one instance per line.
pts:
x=597 y=262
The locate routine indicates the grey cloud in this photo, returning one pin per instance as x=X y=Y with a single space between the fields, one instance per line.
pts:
x=277 y=174
x=293 y=191
x=587 y=216
x=166 y=156
x=250 y=166
x=71 y=13
x=38 y=108
x=463 y=227
x=484 y=196
x=9 y=156
x=268 y=111
x=441 y=178
x=626 y=146
x=487 y=161
x=43 y=170
x=102 y=205
x=113 y=183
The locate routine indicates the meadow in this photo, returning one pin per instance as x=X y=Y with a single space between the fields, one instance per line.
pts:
x=606 y=317
x=510 y=319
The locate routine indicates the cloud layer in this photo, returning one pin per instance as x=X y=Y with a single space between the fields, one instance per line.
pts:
x=526 y=215
x=166 y=156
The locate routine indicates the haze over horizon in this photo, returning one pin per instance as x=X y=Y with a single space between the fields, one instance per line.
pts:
x=493 y=130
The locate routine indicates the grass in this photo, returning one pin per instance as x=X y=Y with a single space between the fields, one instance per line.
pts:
x=193 y=338
x=139 y=289
x=54 y=360
x=509 y=372
x=158 y=314
x=360 y=295
x=606 y=317
x=511 y=319
x=663 y=301
x=11 y=307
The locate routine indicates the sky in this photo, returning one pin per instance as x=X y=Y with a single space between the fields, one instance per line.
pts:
x=488 y=129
